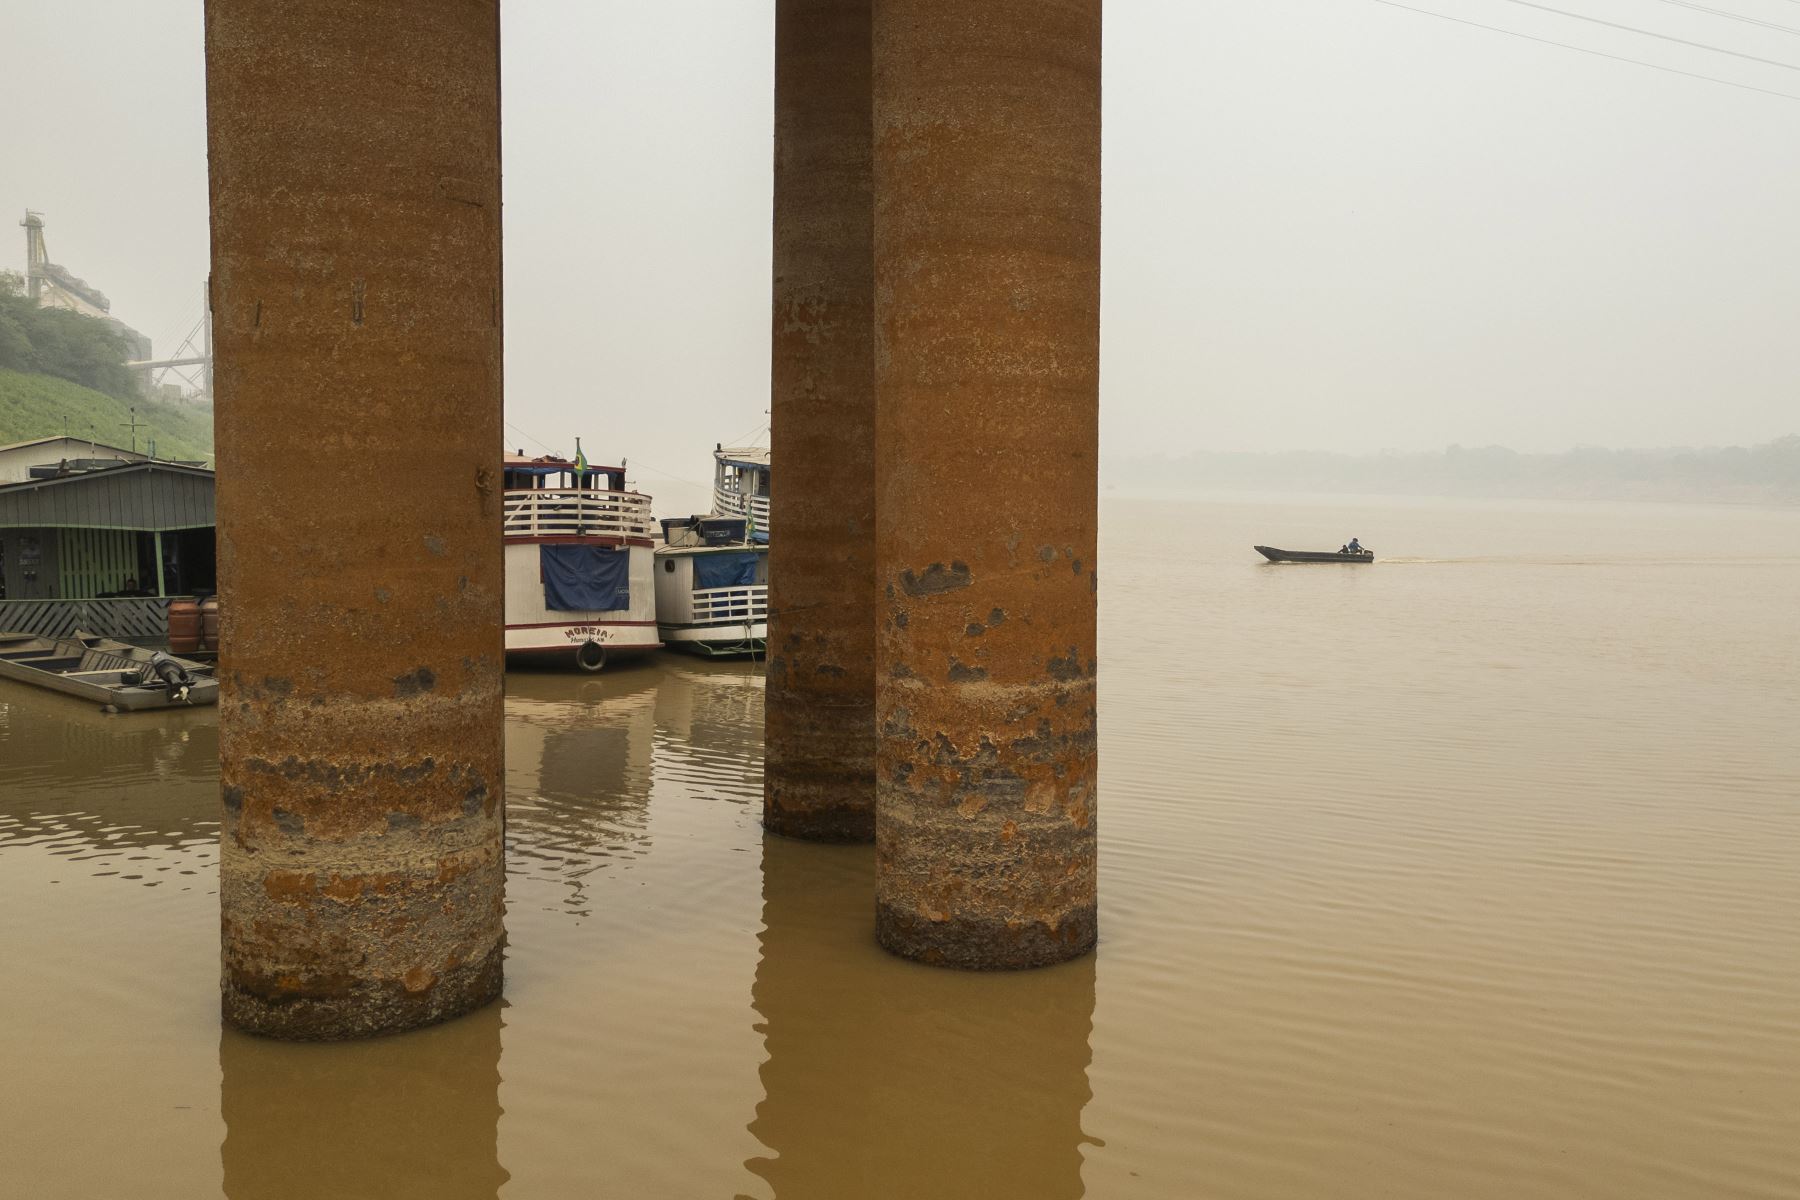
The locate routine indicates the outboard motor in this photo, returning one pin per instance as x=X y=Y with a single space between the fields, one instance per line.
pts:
x=173 y=676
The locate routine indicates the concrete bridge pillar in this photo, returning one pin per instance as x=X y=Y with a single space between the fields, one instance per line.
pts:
x=355 y=181
x=820 y=764
x=987 y=306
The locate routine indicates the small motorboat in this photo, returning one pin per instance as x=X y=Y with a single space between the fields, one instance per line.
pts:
x=115 y=675
x=1315 y=556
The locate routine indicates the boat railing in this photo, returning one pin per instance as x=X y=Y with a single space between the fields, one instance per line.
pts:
x=577 y=512
x=747 y=604
x=729 y=502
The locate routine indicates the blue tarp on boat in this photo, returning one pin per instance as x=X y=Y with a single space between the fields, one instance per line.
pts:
x=581 y=578
x=724 y=570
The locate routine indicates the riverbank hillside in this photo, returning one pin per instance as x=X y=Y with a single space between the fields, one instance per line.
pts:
x=34 y=406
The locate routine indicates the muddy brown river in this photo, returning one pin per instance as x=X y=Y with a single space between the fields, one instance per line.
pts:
x=1472 y=874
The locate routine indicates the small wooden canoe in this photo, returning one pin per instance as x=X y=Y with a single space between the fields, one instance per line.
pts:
x=112 y=674
x=1314 y=556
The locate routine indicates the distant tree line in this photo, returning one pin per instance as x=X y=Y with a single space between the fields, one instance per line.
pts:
x=1767 y=472
x=54 y=341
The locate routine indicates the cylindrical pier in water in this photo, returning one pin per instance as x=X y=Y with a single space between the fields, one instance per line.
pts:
x=355 y=184
x=820 y=714
x=987 y=305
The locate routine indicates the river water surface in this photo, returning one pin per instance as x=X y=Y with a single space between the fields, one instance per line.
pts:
x=1471 y=874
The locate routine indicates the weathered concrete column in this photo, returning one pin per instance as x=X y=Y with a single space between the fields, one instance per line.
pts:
x=987 y=306
x=820 y=731
x=355 y=162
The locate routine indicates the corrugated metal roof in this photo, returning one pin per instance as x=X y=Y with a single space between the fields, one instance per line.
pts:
x=144 y=496
x=69 y=437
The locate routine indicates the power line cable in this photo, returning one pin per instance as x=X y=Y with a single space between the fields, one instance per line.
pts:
x=1732 y=16
x=1563 y=12
x=1425 y=12
x=543 y=445
x=671 y=475
x=742 y=441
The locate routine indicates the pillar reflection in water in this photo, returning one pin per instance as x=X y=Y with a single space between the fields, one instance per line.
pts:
x=414 y=1117
x=887 y=1079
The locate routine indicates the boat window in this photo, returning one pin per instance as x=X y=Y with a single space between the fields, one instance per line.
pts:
x=669 y=565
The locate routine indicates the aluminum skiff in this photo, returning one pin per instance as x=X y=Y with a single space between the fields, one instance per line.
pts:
x=111 y=674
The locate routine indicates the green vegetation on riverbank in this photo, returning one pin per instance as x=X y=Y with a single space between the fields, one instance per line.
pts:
x=54 y=341
x=34 y=406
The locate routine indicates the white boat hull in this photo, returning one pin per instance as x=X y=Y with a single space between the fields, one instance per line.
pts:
x=717 y=635
x=713 y=621
x=587 y=639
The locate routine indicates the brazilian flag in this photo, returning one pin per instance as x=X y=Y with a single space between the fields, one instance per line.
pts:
x=581 y=462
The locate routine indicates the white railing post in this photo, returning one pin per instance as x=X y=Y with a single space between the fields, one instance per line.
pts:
x=542 y=513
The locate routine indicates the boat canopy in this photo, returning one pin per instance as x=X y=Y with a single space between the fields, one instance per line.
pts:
x=523 y=474
x=732 y=569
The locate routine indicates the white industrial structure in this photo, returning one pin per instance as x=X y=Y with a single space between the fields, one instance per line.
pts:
x=49 y=285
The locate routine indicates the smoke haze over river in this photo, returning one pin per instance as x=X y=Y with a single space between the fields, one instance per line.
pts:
x=1465 y=874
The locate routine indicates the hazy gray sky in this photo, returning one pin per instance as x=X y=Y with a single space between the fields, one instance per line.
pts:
x=1328 y=223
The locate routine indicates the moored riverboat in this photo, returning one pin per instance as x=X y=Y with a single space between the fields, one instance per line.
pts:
x=712 y=587
x=115 y=675
x=578 y=563
x=741 y=488
x=1315 y=556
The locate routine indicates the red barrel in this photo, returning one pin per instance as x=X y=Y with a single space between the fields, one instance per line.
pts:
x=209 y=622
x=184 y=626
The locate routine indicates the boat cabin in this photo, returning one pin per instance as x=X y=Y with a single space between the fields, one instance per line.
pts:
x=741 y=487
x=522 y=474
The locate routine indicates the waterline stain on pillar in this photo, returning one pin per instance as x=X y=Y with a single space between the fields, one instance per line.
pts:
x=820 y=712
x=987 y=302
x=355 y=185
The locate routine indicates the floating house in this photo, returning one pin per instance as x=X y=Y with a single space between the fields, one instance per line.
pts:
x=102 y=544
